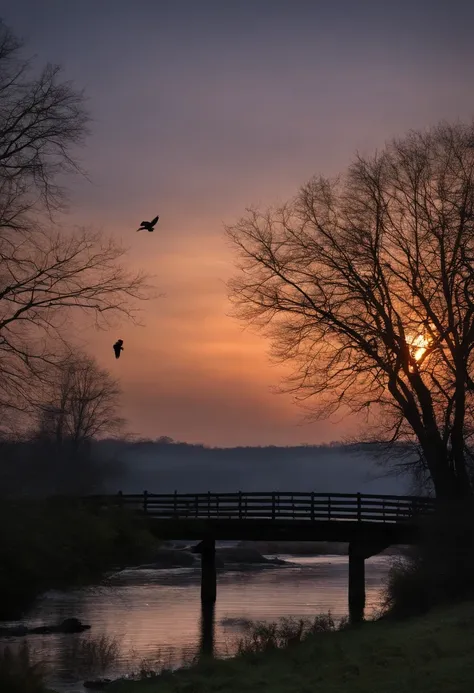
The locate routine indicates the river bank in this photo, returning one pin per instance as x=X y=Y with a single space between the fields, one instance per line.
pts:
x=62 y=543
x=429 y=654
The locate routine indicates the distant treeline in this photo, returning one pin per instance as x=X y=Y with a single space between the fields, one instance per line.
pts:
x=369 y=447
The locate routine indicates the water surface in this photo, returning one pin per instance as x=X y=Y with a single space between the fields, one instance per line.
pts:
x=156 y=613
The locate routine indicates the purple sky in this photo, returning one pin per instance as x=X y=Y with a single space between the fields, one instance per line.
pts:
x=201 y=109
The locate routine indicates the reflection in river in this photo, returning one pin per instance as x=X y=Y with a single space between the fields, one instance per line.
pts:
x=207 y=629
x=151 y=612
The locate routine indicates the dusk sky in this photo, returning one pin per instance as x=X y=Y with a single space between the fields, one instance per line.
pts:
x=201 y=109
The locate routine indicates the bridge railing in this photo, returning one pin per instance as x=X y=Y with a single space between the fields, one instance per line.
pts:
x=312 y=507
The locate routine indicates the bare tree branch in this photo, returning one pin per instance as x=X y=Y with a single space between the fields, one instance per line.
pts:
x=42 y=121
x=43 y=280
x=80 y=402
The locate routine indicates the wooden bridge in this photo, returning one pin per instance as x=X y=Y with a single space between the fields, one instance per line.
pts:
x=274 y=506
x=370 y=523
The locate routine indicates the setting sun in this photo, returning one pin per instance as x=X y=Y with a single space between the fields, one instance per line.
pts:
x=419 y=345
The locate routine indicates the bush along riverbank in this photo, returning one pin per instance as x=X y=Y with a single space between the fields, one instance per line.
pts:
x=62 y=543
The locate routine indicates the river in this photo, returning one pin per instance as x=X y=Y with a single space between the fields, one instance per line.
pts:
x=155 y=614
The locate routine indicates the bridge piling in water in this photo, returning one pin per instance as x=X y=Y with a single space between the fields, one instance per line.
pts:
x=356 y=583
x=207 y=549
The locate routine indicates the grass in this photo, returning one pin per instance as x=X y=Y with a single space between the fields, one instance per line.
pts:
x=89 y=656
x=429 y=654
x=278 y=635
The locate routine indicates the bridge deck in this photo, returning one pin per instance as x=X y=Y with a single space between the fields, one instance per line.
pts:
x=278 y=515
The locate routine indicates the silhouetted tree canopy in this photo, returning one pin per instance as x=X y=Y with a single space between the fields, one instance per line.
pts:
x=364 y=283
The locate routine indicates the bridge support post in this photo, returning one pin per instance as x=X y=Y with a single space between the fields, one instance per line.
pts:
x=356 y=583
x=207 y=549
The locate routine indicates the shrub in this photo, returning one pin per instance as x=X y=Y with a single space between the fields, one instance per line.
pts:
x=439 y=570
x=261 y=636
x=91 y=656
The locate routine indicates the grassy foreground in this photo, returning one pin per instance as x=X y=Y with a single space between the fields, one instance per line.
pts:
x=429 y=654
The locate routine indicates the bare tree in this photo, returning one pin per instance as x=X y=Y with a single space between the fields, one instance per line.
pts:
x=80 y=402
x=42 y=121
x=46 y=272
x=365 y=284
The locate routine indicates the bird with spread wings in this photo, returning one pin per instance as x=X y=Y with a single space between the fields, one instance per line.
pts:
x=148 y=225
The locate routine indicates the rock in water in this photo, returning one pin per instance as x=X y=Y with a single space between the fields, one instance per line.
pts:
x=69 y=625
x=73 y=625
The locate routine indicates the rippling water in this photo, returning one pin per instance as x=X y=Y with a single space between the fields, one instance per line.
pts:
x=152 y=611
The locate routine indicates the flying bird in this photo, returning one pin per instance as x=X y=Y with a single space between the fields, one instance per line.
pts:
x=118 y=348
x=148 y=225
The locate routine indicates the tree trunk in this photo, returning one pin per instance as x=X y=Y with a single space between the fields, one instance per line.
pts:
x=445 y=481
x=457 y=433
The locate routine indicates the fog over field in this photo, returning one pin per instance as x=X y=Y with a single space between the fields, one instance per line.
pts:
x=164 y=468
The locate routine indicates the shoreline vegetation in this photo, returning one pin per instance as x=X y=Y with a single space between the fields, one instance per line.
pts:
x=63 y=544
